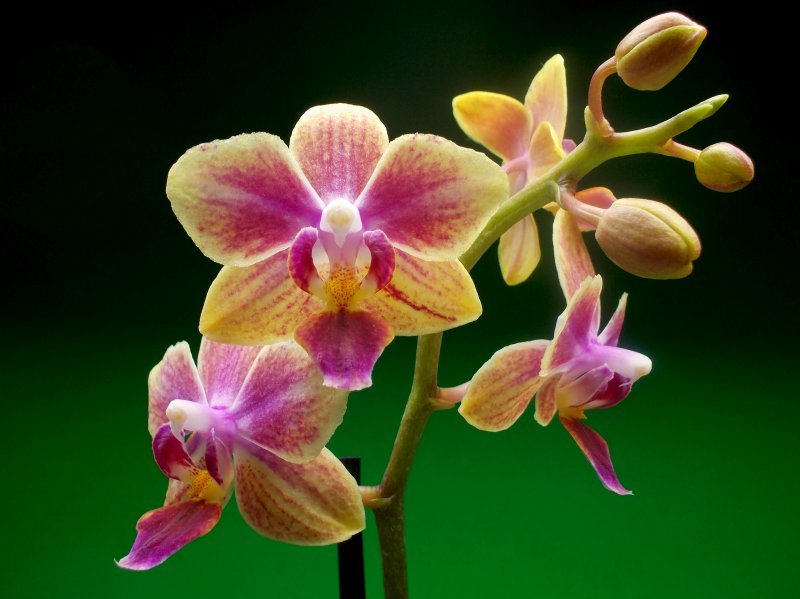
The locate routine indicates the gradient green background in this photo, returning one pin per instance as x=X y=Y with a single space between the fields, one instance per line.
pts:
x=99 y=278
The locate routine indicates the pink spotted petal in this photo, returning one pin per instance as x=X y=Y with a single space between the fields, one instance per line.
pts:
x=580 y=392
x=255 y=305
x=382 y=263
x=519 y=251
x=600 y=197
x=611 y=332
x=338 y=146
x=241 y=199
x=431 y=197
x=498 y=122
x=576 y=328
x=172 y=456
x=545 y=151
x=174 y=377
x=546 y=400
x=162 y=532
x=345 y=345
x=573 y=262
x=283 y=406
x=547 y=96
x=595 y=449
x=301 y=261
x=503 y=387
x=223 y=368
x=315 y=503
x=425 y=297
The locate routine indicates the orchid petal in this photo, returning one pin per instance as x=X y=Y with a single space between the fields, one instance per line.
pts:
x=579 y=392
x=498 y=122
x=316 y=503
x=283 y=406
x=544 y=152
x=345 y=345
x=519 y=251
x=503 y=387
x=257 y=304
x=163 y=531
x=611 y=332
x=241 y=199
x=576 y=327
x=573 y=262
x=611 y=394
x=219 y=461
x=174 y=377
x=546 y=400
x=338 y=146
x=547 y=96
x=382 y=261
x=223 y=369
x=599 y=197
x=426 y=297
x=431 y=197
x=595 y=449
x=171 y=455
x=301 y=261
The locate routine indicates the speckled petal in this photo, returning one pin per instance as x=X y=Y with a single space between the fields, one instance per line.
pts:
x=611 y=332
x=573 y=262
x=595 y=449
x=338 y=146
x=345 y=345
x=546 y=400
x=498 y=122
x=316 y=503
x=547 y=96
x=257 y=304
x=241 y=199
x=431 y=197
x=162 y=532
x=174 y=377
x=426 y=297
x=545 y=151
x=503 y=387
x=223 y=368
x=576 y=327
x=283 y=406
x=519 y=251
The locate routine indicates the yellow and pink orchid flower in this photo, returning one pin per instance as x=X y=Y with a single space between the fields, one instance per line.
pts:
x=341 y=240
x=261 y=417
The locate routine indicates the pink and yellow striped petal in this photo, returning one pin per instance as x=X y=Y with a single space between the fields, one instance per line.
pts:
x=431 y=197
x=338 y=146
x=256 y=305
x=573 y=263
x=241 y=199
x=499 y=123
x=547 y=400
x=316 y=503
x=503 y=387
x=283 y=406
x=611 y=332
x=547 y=96
x=174 y=377
x=544 y=152
x=425 y=297
x=223 y=369
x=596 y=451
x=519 y=251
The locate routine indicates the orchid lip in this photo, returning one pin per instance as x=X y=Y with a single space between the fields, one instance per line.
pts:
x=341 y=218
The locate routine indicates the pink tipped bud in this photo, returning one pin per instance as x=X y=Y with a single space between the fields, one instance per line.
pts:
x=724 y=167
x=657 y=50
x=648 y=239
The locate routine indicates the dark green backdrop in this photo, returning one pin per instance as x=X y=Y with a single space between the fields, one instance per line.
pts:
x=100 y=278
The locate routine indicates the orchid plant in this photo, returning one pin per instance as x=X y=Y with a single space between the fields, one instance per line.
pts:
x=333 y=245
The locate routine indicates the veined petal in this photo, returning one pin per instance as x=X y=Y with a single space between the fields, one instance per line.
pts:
x=503 y=387
x=241 y=199
x=547 y=96
x=345 y=345
x=283 y=406
x=431 y=197
x=174 y=377
x=576 y=327
x=573 y=262
x=257 y=304
x=163 y=531
x=223 y=368
x=425 y=297
x=600 y=197
x=498 y=122
x=595 y=449
x=611 y=332
x=519 y=251
x=338 y=146
x=316 y=503
x=544 y=152
x=546 y=400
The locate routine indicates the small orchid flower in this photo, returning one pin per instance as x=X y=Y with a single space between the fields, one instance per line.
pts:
x=341 y=240
x=578 y=370
x=530 y=140
x=261 y=417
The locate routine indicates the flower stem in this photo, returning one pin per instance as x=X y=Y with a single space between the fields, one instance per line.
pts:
x=603 y=72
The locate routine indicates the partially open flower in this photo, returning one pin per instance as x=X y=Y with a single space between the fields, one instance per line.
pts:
x=724 y=167
x=655 y=51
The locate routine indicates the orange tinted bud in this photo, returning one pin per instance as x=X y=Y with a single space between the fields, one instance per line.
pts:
x=724 y=167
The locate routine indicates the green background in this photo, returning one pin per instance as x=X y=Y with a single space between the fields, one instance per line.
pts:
x=100 y=278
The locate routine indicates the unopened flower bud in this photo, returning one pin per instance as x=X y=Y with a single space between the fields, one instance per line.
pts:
x=655 y=51
x=724 y=167
x=648 y=239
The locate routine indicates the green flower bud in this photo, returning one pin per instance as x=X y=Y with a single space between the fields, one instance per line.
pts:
x=655 y=51
x=724 y=167
x=648 y=239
